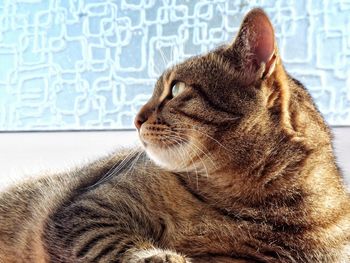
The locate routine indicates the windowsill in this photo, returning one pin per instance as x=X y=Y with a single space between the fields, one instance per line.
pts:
x=30 y=154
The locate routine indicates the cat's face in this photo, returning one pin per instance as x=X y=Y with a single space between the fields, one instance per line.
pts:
x=206 y=112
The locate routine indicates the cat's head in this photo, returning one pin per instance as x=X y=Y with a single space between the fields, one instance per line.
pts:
x=222 y=108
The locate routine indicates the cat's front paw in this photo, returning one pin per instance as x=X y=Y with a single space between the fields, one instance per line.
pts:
x=158 y=256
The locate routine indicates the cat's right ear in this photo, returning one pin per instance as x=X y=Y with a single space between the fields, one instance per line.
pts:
x=254 y=49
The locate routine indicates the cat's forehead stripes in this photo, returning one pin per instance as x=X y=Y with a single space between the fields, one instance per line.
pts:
x=166 y=81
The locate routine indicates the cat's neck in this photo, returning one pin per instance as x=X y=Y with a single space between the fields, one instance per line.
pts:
x=276 y=182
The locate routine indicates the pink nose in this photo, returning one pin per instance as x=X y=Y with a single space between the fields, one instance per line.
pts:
x=139 y=120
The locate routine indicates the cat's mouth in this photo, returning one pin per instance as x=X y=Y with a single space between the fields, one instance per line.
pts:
x=164 y=146
x=161 y=136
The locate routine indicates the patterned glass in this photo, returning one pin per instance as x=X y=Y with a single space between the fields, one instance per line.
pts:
x=90 y=64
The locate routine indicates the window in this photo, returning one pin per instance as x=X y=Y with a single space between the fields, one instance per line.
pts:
x=90 y=64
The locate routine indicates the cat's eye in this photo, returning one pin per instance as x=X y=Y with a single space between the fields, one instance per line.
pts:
x=177 y=88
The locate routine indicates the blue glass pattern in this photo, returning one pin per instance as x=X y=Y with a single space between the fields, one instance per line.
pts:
x=90 y=64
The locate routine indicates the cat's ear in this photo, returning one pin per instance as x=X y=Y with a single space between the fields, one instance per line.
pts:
x=255 y=47
x=254 y=53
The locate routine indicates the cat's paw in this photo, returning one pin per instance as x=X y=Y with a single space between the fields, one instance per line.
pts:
x=159 y=256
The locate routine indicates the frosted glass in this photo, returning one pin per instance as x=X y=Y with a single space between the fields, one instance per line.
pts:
x=79 y=64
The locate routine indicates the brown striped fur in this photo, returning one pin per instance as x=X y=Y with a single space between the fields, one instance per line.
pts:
x=241 y=169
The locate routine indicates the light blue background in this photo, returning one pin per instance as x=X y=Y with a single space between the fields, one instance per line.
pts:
x=79 y=64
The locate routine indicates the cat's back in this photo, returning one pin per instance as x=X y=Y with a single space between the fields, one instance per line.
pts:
x=155 y=199
x=32 y=214
x=25 y=208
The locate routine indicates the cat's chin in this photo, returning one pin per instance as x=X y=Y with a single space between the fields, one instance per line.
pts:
x=169 y=158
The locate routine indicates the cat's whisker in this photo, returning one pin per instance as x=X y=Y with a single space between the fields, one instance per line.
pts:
x=165 y=61
x=205 y=167
x=200 y=158
x=158 y=69
x=181 y=157
x=195 y=142
x=116 y=168
x=178 y=142
x=205 y=134
x=171 y=139
x=191 y=159
x=179 y=152
x=162 y=55
x=131 y=168
x=183 y=160
x=210 y=137
x=173 y=58
x=132 y=165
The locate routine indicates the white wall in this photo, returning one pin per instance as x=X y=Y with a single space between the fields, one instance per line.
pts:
x=28 y=154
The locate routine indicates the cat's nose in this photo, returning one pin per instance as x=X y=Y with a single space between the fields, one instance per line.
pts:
x=139 y=120
x=144 y=114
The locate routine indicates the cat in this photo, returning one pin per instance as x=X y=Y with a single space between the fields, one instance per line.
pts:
x=237 y=165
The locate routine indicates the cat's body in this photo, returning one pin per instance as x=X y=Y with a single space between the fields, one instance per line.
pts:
x=58 y=218
x=250 y=176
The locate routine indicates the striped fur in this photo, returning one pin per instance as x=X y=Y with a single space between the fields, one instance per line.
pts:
x=239 y=167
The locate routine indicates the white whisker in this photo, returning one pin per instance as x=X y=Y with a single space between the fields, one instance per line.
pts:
x=116 y=168
x=180 y=140
x=210 y=137
x=200 y=158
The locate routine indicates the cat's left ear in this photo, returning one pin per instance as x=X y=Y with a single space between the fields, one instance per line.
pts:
x=255 y=47
x=254 y=53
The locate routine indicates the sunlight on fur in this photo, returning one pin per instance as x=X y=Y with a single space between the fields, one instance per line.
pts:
x=237 y=166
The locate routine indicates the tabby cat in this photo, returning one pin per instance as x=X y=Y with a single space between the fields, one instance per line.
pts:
x=240 y=168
